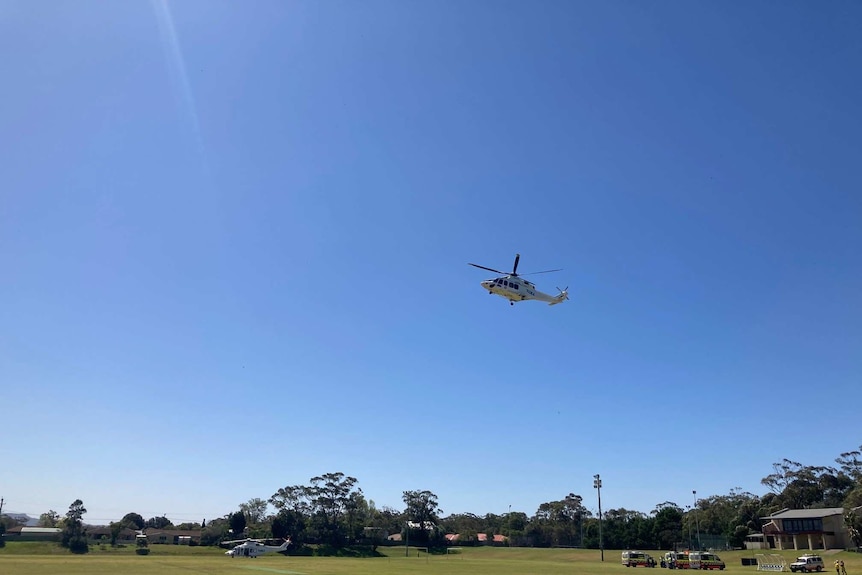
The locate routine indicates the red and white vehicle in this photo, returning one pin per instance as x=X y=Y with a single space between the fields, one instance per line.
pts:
x=693 y=560
x=704 y=560
x=637 y=559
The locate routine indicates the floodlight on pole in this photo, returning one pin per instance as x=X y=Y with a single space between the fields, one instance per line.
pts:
x=597 y=485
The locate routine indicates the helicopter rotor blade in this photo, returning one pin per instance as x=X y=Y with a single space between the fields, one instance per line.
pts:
x=515 y=269
x=489 y=269
x=543 y=272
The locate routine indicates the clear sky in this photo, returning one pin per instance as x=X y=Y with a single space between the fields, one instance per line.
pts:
x=234 y=240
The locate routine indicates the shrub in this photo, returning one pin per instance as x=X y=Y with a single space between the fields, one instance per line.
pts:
x=79 y=545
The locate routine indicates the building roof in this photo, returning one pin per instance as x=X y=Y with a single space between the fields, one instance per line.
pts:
x=483 y=537
x=806 y=513
x=31 y=530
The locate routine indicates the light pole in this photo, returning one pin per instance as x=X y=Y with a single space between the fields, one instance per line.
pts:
x=696 y=523
x=509 y=525
x=597 y=485
x=688 y=509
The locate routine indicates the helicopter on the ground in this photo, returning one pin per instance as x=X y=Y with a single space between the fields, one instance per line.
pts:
x=515 y=288
x=253 y=548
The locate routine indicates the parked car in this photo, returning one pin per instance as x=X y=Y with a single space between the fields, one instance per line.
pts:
x=807 y=563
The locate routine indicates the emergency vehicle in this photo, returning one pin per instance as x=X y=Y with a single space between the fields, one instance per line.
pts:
x=637 y=559
x=676 y=560
x=704 y=560
x=693 y=560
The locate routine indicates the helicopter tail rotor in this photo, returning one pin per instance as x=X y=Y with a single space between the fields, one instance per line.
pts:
x=561 y=297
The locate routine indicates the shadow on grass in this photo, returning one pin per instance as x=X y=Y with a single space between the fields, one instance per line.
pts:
x=332 y=551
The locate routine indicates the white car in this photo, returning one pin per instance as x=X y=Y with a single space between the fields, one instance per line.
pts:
x=807 y=563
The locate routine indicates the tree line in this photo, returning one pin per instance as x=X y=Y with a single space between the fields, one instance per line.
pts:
x=331 y=513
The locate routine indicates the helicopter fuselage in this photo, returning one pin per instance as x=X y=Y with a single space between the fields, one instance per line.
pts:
x=512 y=288
x=253 y=548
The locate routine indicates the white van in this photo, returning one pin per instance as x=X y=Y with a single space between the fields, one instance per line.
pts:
x=637 y=558
x=704 y=560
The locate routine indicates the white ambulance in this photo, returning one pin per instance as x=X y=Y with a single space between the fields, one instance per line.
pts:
x=637 y=559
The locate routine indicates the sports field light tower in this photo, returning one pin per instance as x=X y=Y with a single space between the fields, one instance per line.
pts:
x=597 y=485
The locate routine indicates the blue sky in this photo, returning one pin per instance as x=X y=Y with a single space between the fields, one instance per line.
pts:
x=234 y=240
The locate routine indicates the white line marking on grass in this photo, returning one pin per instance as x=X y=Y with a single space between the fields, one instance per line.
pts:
x=272 y=570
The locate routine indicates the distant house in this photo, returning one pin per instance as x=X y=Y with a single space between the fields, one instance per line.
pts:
x=495 y=540
x=455 y=539
x=806 y=529
x=100 y=533
x=173 y=536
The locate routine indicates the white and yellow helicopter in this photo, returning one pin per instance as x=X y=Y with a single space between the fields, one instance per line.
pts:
x=254 y=548
x=515 y=288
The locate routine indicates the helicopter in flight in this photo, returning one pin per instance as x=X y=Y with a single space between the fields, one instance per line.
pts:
x=514 y=288
x=253 y=548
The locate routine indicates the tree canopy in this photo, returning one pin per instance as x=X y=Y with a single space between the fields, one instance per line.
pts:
x=332 y=510
x=73 y=536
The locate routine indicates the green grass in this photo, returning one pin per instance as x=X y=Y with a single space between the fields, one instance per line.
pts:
x=48 y=559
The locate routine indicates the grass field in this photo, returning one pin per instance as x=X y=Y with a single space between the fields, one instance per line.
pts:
x=42 y=559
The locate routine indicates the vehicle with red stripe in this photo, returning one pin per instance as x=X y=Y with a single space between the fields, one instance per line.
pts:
x=705 y=560
x=692 y=560
x=637 y=559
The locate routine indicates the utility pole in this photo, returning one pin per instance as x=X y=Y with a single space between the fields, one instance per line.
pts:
x=690 y=542
x=597 y=484
x=696 y=522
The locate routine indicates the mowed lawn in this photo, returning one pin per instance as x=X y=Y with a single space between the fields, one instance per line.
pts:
x=171 y=560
